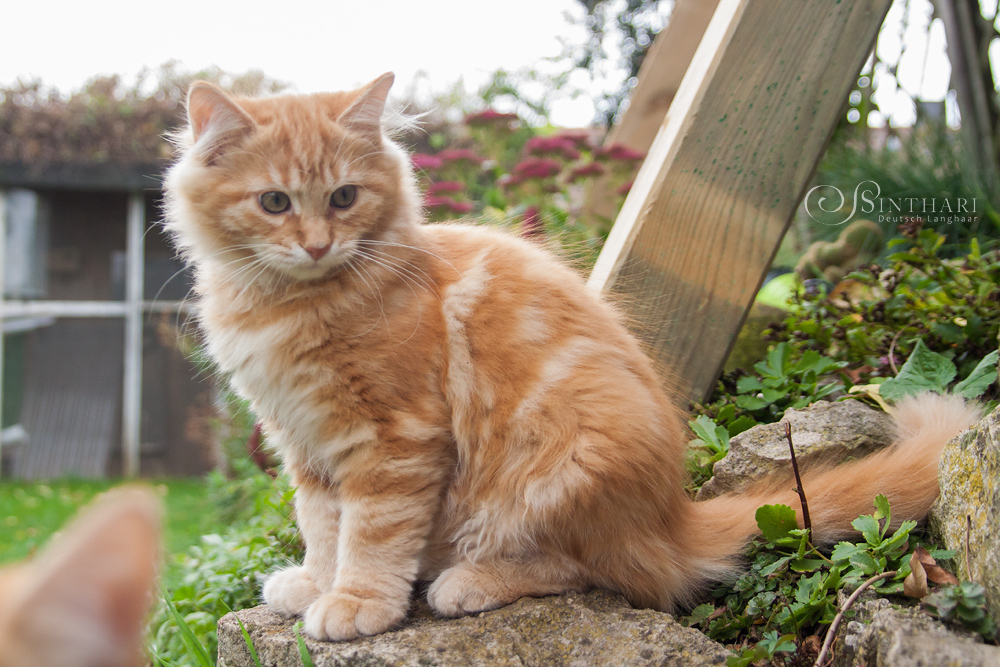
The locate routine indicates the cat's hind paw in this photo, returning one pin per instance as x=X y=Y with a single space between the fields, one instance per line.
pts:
x=290 y=592
x=340 y=616
x=462 y=590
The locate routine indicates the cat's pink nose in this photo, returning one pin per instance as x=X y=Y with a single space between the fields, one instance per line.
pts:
x=317 y=251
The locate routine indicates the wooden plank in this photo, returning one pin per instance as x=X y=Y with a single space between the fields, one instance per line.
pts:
x=88 y=308
x=659 y=77
x=661 y=74
x=3 y=265
x=726 y=172
x=132 y=382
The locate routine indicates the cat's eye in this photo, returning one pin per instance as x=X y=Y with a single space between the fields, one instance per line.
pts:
x=275 y=202
x=344 y=196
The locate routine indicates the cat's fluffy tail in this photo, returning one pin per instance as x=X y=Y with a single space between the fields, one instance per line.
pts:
x=905 y=473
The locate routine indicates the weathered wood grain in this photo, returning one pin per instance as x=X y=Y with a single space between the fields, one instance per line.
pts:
x=659 y=78
x=727 y=170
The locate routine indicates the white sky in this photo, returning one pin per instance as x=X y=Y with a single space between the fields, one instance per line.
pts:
x=315 y=45
x=337 y=44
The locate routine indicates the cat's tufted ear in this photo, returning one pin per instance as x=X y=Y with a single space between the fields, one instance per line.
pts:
x=216 y=120
x=365 y=114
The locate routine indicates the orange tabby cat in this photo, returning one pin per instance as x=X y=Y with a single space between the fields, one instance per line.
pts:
x=83 y=602
x=453 y=403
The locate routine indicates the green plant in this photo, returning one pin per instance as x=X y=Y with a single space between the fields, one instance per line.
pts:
x=790 y=588
x=873 y=319
x=224 y=572
x=963 y=604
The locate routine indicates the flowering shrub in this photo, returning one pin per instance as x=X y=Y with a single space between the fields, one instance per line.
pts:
x=504 y=172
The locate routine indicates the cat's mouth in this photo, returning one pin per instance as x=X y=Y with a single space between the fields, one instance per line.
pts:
x=302 y=266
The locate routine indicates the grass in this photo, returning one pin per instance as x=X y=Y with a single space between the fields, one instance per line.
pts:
x=31 y=511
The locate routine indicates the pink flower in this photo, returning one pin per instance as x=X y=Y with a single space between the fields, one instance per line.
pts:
x=586 y=171
x=555 y=145
x=488 y=117
x=624 y=189
x=460 y=155
x=425 y=161
x=618 y=152
x=536 y=167
x=445 y=186
x=581 y=138
x=531 y=223
x=436 y=202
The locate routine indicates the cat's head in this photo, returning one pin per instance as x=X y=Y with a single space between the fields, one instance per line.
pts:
x=289 y=186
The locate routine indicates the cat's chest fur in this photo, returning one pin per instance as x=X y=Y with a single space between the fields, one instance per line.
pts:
x=280 y=362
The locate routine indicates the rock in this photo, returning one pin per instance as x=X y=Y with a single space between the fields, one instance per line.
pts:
x=969 y=476
x=598 y=628
x=910 y=638
x=832 y=431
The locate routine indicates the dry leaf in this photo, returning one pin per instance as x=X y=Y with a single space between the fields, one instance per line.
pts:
x=915 y=584
x=923 y=568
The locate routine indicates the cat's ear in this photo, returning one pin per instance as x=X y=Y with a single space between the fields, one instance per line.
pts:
x=91 y=590
x=216 y=120
x=365 y=113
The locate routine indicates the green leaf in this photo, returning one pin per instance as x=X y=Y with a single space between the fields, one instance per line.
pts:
x=806 y=564
x=869 y=528
x=303 y=651
x=751 y=403
x=883 y=511
x=923 y=371
x=864 y=560
x=981 y=377
x=845 y=550
x=748 y=384
x=740 y=424
x=712 y=435
x=698 y=615
x=188 y=636
x=775 y=521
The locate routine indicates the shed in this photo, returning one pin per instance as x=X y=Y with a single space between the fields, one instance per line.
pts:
x=95 y=382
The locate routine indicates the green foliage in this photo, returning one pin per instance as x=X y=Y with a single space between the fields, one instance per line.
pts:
x=107 y=120
x=876 y=318
x=790 y=588
x=930 y=371
x=225 y=571
x=963 y=605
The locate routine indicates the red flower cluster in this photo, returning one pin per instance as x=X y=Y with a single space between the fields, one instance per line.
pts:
x=424 y=161
x=451 y=155
x=488 y=117
x=441 y=203
x=618 y=152
x=586 y=171
x=557 y=145
x=445 y=186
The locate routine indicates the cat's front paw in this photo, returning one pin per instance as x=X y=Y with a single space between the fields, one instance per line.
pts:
x=291 y=591
x=340 y=616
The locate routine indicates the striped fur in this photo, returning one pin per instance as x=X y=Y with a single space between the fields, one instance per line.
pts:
x=452 y=403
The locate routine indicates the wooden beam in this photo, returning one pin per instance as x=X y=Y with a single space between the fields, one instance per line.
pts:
x=727 y=171
x=132 y=380
x=3 y=268
x=659 y=77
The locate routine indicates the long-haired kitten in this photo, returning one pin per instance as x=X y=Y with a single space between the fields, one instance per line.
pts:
x=452 y=403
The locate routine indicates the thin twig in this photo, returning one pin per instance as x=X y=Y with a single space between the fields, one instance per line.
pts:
x=892 y=347
x=832 y=632
x=968 y=530
x=806 y=522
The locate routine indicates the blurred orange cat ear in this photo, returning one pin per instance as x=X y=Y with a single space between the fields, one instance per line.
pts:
x=216 y=120
x=365 y=114
x=94 y=585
